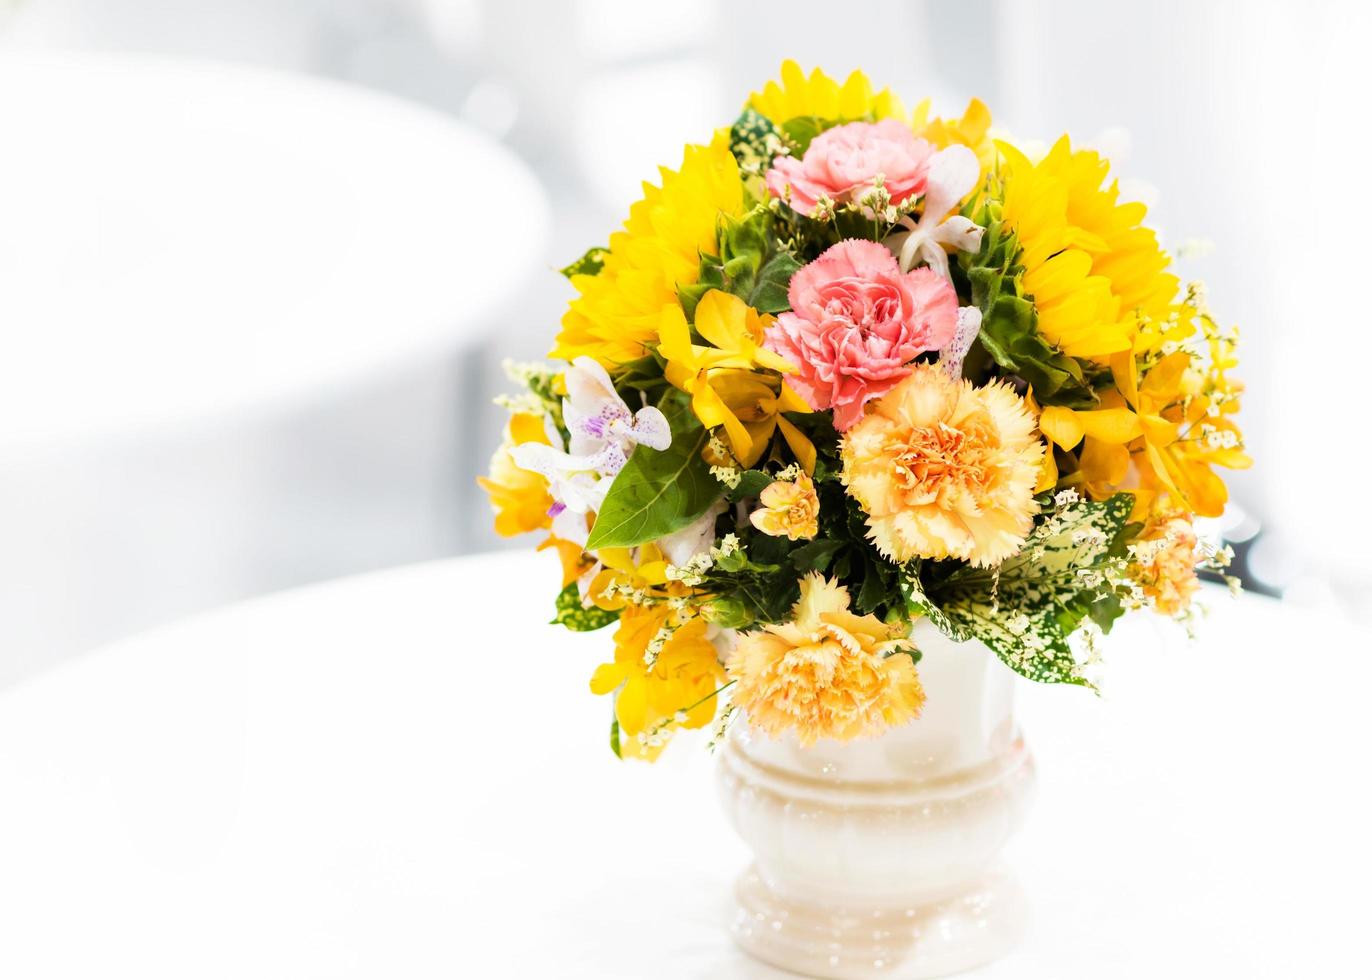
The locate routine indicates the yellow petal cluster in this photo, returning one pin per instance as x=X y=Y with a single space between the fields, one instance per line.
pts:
x=972 y=130
x=820 y=96
x=721 y=377
x=519 y=497
x=659 y=689
x=1091 y=266
x=790 y=508
x=618 y=309
x=828 y=673
x=630 y=576
x=945 y=470
x=1159 y=432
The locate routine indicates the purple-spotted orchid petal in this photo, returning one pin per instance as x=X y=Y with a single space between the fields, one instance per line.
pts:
x=598 y=419
x=969 y=325
x=603 y=433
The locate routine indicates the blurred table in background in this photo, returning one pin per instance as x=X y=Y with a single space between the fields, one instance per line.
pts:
x=405 y=775
x=232 y=310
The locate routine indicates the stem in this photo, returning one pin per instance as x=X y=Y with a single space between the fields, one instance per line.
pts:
x=707 y=697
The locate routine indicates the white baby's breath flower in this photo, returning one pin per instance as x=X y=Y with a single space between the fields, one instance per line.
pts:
x=1065 y=498
x=730 y=476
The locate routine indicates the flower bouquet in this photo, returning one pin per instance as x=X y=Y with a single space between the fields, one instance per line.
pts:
x=850 y=367
x=858 y=403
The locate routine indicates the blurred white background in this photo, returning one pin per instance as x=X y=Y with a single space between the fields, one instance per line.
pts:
x=300 y=410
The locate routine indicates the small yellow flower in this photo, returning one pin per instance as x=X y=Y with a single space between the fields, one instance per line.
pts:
x=575 y=562
x=1183 y=436
x=720 y=376
x=945 y=470
x=519 y=497
x=665 y=677
x=638 y=572
x=1164 y=565
x=789 y=507
x=828 y=673
x=1154 y=426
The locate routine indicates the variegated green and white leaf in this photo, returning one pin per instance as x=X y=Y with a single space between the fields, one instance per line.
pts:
x=579 y=617
x=1056 y=559
x=919 y=604
x=1076 y=537
x=1030 y=642
x=1026 y=609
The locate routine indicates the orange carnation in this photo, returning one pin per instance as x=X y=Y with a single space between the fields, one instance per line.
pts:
x=828 y=673
x=789 y=508
x=1164 y=563
x=945 y=470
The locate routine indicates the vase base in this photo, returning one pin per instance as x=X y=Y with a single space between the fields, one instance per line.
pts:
x=978 y=925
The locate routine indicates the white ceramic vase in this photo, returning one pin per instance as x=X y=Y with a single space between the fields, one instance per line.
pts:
x=878 y=858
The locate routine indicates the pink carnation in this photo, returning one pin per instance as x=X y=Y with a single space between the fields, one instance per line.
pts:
x=856 y=323
x=842 y=164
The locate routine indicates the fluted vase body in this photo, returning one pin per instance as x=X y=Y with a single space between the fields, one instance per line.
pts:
x=879 y=857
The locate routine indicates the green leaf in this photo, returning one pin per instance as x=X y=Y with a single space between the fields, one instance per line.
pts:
x=766 y=551
x=589 y=264
x=1009 y=326
x=751 y=590
x=1026 y=609
x=734 y=561
x=918 y=604
x=772 y=284
x=750 y=131
x=644 y=374
x=749 y=141
x=614 y=737
x=1036 y=647
x=750 y=484
x=1009 y=333
x=1104 y=611
x=800 y=130
x=816 y=555
x=576 y=616
x=751 y=264
x=1076 y=538
x=711 y=277
x=875 y=579
x=657 y=493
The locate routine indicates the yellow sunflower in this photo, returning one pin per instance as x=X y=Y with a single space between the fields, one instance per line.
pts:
x=1091 y=267
x=820 y=96
x=618 y=309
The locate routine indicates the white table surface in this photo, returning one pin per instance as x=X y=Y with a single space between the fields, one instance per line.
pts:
x=404 y=775
x=182 y=240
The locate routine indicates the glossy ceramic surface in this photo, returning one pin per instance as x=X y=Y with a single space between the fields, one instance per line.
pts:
x=877 y=858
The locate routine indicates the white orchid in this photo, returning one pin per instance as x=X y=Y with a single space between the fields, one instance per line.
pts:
x=603 y=433
x=953 y=172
